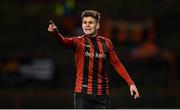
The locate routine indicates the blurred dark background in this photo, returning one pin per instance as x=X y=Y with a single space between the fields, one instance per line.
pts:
x=37 y=72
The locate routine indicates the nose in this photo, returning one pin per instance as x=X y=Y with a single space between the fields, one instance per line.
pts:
x=87 y=24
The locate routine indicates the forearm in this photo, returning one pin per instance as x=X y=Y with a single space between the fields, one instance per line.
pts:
x=67 y=42
x=58 y=36
x=123 y=73
x=120 y=69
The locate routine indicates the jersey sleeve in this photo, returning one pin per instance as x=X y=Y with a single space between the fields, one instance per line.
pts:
x=118 y=65
x=67 y=42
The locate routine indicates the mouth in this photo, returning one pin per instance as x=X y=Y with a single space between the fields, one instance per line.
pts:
x=88 y=29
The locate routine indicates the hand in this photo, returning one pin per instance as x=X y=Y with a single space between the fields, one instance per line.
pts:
x=134 y=91
x=52 y=27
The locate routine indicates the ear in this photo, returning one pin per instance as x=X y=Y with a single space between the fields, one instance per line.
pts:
x=98 y=25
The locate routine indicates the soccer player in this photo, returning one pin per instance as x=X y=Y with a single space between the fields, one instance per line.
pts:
x=92 y=52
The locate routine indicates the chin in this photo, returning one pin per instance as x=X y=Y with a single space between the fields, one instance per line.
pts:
x=88 y=33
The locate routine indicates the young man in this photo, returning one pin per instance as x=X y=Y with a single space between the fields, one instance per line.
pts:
x=91 y=54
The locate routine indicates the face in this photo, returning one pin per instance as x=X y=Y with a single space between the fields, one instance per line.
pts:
x=90 y=25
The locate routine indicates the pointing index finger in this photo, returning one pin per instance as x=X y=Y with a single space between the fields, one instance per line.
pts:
x=51 y=21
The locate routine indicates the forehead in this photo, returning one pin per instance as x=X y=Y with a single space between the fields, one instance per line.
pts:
x=89 y=18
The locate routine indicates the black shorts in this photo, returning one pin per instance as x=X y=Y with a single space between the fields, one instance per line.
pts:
x=91 y=101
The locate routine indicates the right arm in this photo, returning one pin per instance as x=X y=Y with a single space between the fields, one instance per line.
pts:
x=67 y=42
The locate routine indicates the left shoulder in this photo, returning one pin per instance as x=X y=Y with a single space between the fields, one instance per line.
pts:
x=106 y=39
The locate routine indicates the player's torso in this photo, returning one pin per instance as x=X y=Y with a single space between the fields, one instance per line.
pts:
x=91 y=57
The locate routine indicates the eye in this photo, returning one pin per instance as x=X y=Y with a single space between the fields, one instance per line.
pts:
x=90 y=22
x=84 y=22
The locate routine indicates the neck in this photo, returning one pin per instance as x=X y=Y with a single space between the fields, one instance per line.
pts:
x=93 y=35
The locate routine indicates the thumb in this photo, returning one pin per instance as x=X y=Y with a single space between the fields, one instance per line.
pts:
x=131 y=92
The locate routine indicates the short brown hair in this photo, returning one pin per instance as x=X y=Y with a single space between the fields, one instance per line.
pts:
x=91 y=13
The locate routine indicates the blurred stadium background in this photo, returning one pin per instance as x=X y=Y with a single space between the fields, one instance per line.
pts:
x=37 y=72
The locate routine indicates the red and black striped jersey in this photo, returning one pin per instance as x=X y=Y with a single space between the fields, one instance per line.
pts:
x=91 y=56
